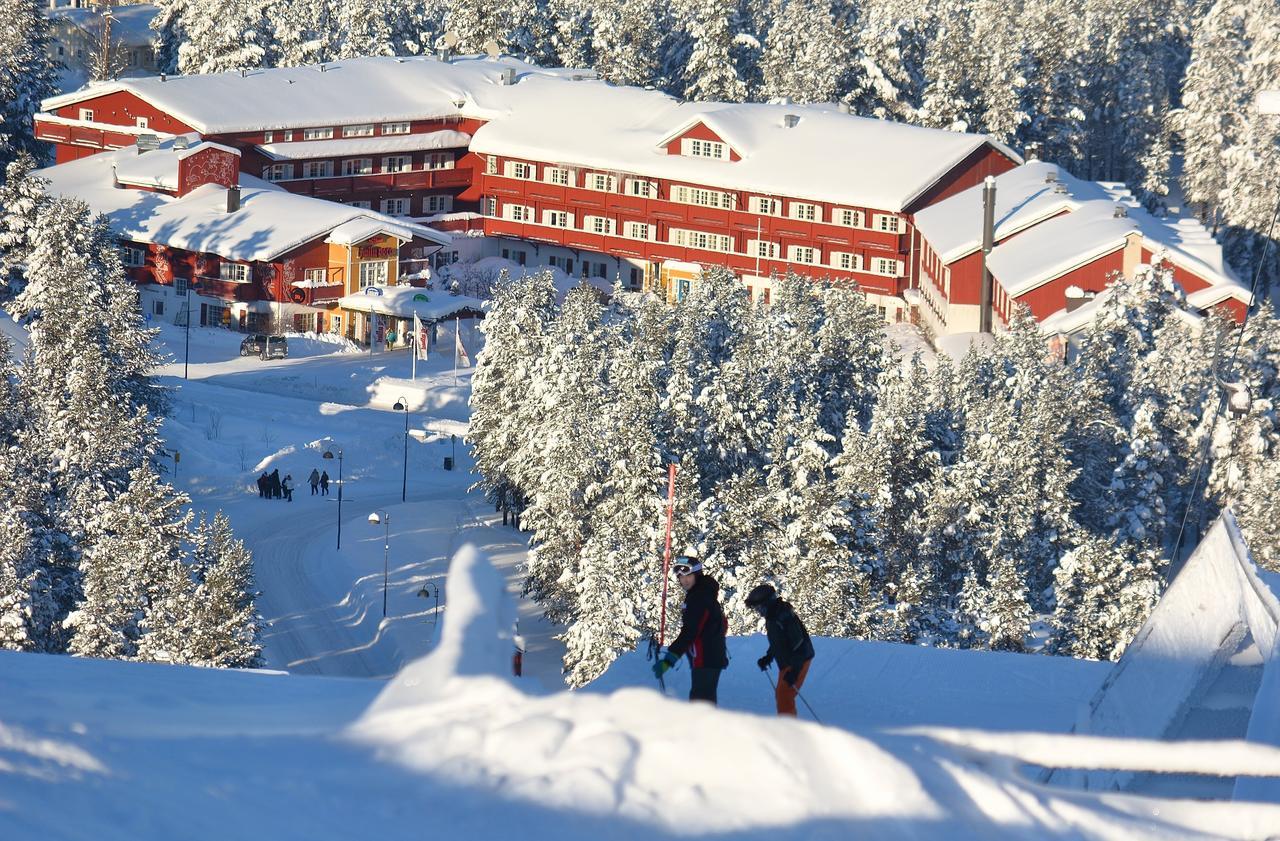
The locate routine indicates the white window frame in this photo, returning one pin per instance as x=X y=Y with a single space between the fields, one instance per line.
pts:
x=234 y=272
x=317 y=169
x=702 y=240
x=887 y=267
x=86 y=115
x=491 y=165
x=318 y=133
x=397 y=163
x=517 y=213
x=438 y=160
x=557 y=175
x=847 y=261
x=703 y=197
x=395 y=207
x=268 y=137
x=287 y=136
x=519 y=169
x=766 y=205
x=437 y=204
x=557 y=218
x=361 y=130
x=642 y=188
x=132 y=256
x=846 y=217
x=804 y=211
x=599 y=225
x=316 y=277
x=762 y=248
x=395 y=128
x=357 y=166
x=377 y=273
x=888 y=223
x=601 y=182
x=180 y=287
x=363 y=204
x=638 y=230
x=142 y=122
x=491 y=207
x=805 y=254
x=693 y=148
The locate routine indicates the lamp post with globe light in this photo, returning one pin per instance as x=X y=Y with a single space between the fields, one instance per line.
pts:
x=329 y=455
x=382 y=518
x=402 y=405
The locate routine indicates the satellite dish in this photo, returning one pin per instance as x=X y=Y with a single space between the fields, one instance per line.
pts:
x=491 y=47
x=451 y=39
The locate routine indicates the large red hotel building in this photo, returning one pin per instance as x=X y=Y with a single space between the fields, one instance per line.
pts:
x=554 y=167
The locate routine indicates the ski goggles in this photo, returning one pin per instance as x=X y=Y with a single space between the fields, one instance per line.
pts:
x=686 y=567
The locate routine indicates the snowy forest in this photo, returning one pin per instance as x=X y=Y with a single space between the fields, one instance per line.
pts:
x=99 y=557
x=1007 y=501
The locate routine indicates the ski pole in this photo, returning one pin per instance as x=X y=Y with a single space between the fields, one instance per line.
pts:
x=798 y=695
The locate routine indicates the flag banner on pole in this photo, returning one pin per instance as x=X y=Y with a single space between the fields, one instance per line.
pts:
x=458 y=346
x=419 y=337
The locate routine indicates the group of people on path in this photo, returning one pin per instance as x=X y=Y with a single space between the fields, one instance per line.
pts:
x=271 y=486
x=703 y=628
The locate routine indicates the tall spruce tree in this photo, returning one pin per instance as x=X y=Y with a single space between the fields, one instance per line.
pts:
x=27 y=76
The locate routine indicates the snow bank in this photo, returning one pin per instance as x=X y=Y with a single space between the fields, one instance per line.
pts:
x=1209 y=611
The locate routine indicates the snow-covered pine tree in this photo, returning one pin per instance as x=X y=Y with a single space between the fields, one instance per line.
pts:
x=225 y=626
x=1057 y=62
x=305 y=31
x=572 y=26
x=21 y=195
x=365 y=28
x=1103 y=592
x=224 y=35
x=129 y=581
x=806 y=54
x=27 y=75
x=885 y=78
x=567 y=468
x=951 y=99
x=625 y=35
x=710 y=73
x=1006 y=612
x=1001 y=74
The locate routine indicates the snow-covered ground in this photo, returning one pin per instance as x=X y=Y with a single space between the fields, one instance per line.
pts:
x=367 y=738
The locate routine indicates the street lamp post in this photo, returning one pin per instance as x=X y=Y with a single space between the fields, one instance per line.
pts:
x=402 y=405
x=192 y=286
x=329 y=455
x=384 y=519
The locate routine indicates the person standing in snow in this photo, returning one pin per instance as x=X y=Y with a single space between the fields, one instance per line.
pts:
x=702 y=631
x=314 y=481
x=262 y=485
x=789 y=644
x=324 y=483
x=273 y=484
x=286 y=488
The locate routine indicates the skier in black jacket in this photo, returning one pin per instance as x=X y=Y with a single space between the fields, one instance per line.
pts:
x=702 y=631
x=789 y=644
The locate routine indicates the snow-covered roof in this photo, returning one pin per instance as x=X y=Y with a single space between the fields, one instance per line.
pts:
x=406 y=301
x=372 y=89
x=269 y=223
x=363 y=227
x=69 y=121
x=130 y=25
x=365 y=145
x=1059 y=245
x=565 y=115
x=1025 y=195
x=827 y=155
x=159 y=167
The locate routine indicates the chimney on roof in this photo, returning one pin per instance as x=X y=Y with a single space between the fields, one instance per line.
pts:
x=163 y=77
x=790 y=120
x=322 y=67
x=243 y=72
x=509 y=76
x=1060 y=188
x=1051 y=178
x=233 y=199
x=1120 y=212
x=1076 y=298
x=843 y=108
x=988 y=242
x=148 y=142
x=182 y=142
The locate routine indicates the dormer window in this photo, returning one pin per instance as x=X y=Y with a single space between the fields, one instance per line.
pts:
x=703 y=149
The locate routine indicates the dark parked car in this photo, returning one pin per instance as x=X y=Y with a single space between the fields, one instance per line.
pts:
x=276 y=347
x=253 y=345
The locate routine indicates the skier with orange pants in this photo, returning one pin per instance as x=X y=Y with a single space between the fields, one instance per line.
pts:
x=789 y=644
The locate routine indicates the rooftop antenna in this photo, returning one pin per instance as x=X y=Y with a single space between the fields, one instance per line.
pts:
x=448 y=42
x=492 y=49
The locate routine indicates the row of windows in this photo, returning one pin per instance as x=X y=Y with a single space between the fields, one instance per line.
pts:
x=431 y=205
x=704 y=240
x=764 y=205
x=327 y=132
x=356 y=166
